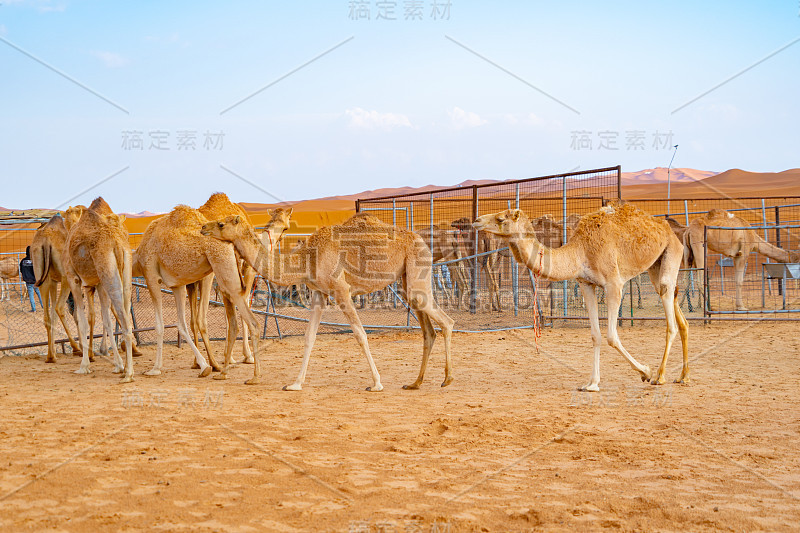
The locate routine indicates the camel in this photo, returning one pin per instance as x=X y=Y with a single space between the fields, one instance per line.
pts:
x=172 y=251
x=360 y=256
x=99 y=257
x=609 y=247
x=9 y=272
x=736 y=243
x=490 y=262
x=48 y=255
x=217 y=206
x=443 y=243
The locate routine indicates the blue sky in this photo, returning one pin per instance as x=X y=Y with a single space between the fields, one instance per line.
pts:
x=398 y=102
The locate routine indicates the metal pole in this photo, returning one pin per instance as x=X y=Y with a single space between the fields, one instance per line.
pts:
x=474 y=295
x=706 y=288
x=564 y=237
x=668 y=178
x=514 y=266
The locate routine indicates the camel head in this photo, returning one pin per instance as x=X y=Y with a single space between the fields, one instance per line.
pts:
x=508 y=223
x=277 y=226
x=73 y=215
x=230 y=228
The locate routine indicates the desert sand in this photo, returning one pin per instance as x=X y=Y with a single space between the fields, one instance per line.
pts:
x=509 y=446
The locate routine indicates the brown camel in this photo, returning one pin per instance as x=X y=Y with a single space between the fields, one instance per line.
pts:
x=217 y=206
x=360 y=256
x=444 y=246
x=48 y=255
x=737 y=243
x=489 y=262
x=9 y=272
x=608 y=248
x=99 y=257
x=173 y=252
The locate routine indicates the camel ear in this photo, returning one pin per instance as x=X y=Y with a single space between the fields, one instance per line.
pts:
x=121 y=219
x=272 y=213
x=236 y=219
x=515 y=214
x=289 y=212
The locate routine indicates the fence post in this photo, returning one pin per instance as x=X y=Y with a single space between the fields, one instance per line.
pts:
x=358 y=205
x=564 y=234
x=514 y=266
x=474 y=295
x=706 y=288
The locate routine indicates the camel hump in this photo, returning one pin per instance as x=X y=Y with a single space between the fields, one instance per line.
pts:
x=715 y=213
x=183 y=214
x=363 y=219
x=99 y=205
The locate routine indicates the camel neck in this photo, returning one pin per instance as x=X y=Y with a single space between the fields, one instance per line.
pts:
x=273 y=266
x=555 y=264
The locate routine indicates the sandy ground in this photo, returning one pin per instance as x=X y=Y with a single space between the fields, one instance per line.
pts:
x=509 y=446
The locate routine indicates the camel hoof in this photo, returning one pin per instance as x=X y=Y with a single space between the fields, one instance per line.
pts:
x=742 y=309
x=205 y=372
x=153 y=372
x=413 y=386
x=91 y=358
x=682 y=381
x=657 y=381
x=252 y=381
x=83 y=371
x=375 y=388
x=447 y=381
x=50 y=360
x=118 y=370
x=77 y=352
x=249 y=361
x=293 y=386
x=221 y=376
x=592 y=387
x=646 y=374
x=195 y=366
x=126 y=379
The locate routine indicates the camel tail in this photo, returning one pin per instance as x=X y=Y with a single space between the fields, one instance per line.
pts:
x=688 y=253
x=41 y=256
x=772 y=251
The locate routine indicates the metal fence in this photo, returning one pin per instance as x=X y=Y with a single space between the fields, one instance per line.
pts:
x=476 y=280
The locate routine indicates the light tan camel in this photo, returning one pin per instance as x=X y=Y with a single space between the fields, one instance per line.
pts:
x=360 y=256
x=9 y=272
x=99 y=257
x=443 y=243
x=48 y=255
x=217 y=206
x=737 y=243
x=173 y=252
x=608 y=248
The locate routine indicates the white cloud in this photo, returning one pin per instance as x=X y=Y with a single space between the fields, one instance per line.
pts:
x=363 y=119
x=465 y=119
x=111 y=59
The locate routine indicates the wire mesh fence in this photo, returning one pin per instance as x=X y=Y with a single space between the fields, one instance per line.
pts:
x=475 y=279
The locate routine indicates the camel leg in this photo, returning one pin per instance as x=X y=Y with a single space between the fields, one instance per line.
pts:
x=91 y=317
x=61 y=301
x=83 y=326
x=206 y=285
x=317 y=306
x=183 y=329
x=105 y=313
x=230 y=335
x=233 y=298
x=666 y=291
x=614 y=298
x=739 y=265
x=191 y=294
x=48 y=291
x=158 y=310
x=346 y=305
x=428 y=338
x=683 y=329
x=249 y=278
x=590 y=301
